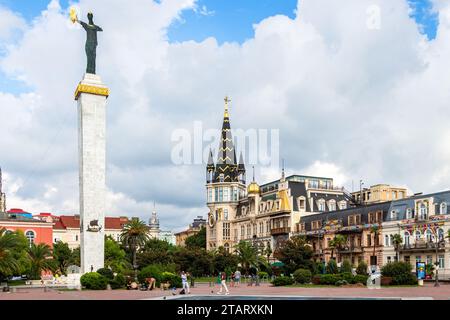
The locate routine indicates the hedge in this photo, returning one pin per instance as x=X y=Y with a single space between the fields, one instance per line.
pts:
x=118 y=282
x=339 y=279
x=302 y=276
x=400 y=272
x=94 y=281
x=107 y=273
x=282 y=281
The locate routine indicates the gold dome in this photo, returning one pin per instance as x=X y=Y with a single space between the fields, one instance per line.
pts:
x=253 y=188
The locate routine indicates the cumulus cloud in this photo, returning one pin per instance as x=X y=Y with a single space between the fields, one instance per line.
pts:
x=350 y=101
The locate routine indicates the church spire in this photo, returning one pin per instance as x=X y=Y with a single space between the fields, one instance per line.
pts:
x=226 y=167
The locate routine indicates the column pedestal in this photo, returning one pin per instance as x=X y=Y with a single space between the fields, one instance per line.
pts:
x=91 y=95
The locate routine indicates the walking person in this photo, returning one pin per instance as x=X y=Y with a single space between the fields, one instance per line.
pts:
x=237 y=278
x=232 y=281
x=223 y=282
x=184 y=281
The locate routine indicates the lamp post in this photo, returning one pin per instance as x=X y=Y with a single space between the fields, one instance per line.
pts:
x=438 y=241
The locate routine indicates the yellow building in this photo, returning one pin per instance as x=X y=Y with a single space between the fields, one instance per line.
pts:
x=379 y=193
x=193 y=229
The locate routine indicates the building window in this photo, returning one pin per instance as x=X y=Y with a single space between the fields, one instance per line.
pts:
x=440 y=234
x=342 y=205
x=249 y=231
x=227 y=247
x=409 y=213
x=220 y=194
x=418 y=235
x=242 y=232
x=429 y=235
x=423 y=212
x=369 y=240
x=321 y=205
x=30 y=236
x=418 y=259
x=393 y=215
x=388 y=259
x=443 y=208
x=267 y=227
x=386 y=240
x=226 y=231
x=225 y=214
x=332 y=205
x=235 y=194
x=406 y=238
x=225 y=194
x=302 y=204
x=221 y=177
x=76 y=237
x=210 y=195
x=429 y=259
x=441 y=262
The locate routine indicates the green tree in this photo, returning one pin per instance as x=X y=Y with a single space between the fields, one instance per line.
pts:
x=339 y=242
x=295 y=253
x=133 y=236
x=41 y=259
x=223 y=260
x=198 y=262
x=375 y=231
x=115 y=256
x=197 y=240
x=155 y=251
x=75 y=257
x=12 y=246
x=247 y=256
x=397 y=241
x=62 y=255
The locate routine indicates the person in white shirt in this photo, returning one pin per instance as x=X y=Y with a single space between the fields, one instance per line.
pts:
x=184 y=281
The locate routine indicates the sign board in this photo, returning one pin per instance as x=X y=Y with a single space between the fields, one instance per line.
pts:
x=420 y=270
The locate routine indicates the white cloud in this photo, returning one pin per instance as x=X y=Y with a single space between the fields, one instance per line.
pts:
x=350 y=102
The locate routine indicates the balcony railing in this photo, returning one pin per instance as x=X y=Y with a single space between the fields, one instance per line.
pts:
x=283 y=230
x=423 y=246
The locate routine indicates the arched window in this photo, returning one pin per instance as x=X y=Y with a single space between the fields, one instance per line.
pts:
x=429 y=235
x=423 y=211
x=386 y=240
x=417 y=235
x=332 y=205
x=30 y=236
x=342 y=205
x=440 y=233
x=321 y=205
x=391 y=240
x=406 y=238
x=225 y=214
x=227 y=247
x=443 y=208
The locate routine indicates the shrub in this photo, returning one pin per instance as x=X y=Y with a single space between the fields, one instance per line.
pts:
x=362 y=268
x=361 y=278
x=346 y=266
x=282 y=281
x=107 y=273
x=118 y=282
x=151 y=271
x=263 y=274
x=330 y=279
x=316 y=279
x=172 y=278
x=302 y=276
x=341 y=282
x=332 y=267
x=400 y=272
x=348 y=277
x=93 y=281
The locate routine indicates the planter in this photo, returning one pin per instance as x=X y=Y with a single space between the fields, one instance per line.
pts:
x=386 y=281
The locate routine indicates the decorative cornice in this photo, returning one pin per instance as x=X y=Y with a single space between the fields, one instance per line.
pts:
x=85 y=88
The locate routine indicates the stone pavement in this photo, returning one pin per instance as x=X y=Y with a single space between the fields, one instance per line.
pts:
x=428 y=291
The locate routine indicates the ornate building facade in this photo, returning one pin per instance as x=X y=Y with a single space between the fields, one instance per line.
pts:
x=264 y=215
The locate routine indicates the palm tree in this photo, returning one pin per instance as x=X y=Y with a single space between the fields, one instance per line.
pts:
x=40 y=258
x=9 y=242
x=397 y=240
x=248 y=256
x=339 y=242
x=133 y=236
x=374 y=229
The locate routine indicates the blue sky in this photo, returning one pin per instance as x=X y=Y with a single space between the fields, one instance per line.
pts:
x=228 y=20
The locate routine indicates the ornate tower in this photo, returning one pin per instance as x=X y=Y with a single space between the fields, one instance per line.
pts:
x=224 y=187
x=153 y=225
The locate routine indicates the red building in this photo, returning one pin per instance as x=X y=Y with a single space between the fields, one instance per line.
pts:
x=36 y=231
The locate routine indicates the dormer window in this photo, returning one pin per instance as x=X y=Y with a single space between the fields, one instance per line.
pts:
x=394 y=215
x=321 y=205
x=221 y=177
x=332 y=205
x=443 y=208
x=409 y=214
x=342 y=205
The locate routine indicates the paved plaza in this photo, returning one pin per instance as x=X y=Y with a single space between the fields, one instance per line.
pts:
x=244 y=292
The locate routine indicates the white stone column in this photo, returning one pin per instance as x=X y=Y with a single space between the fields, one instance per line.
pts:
x=91 y=95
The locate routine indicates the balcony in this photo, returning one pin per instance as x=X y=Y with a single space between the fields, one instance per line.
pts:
x=282 y=230
x=421 y=246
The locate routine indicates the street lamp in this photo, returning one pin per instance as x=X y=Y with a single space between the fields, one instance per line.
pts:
x=437 y=243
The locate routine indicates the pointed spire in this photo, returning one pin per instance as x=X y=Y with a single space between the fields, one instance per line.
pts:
x=210 y=165
x=282 y=170
x=253 y=167
x=226 y=166
x=241 y=166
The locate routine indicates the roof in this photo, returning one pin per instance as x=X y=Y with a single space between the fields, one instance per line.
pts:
x=20 y=218
x=73 y=222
